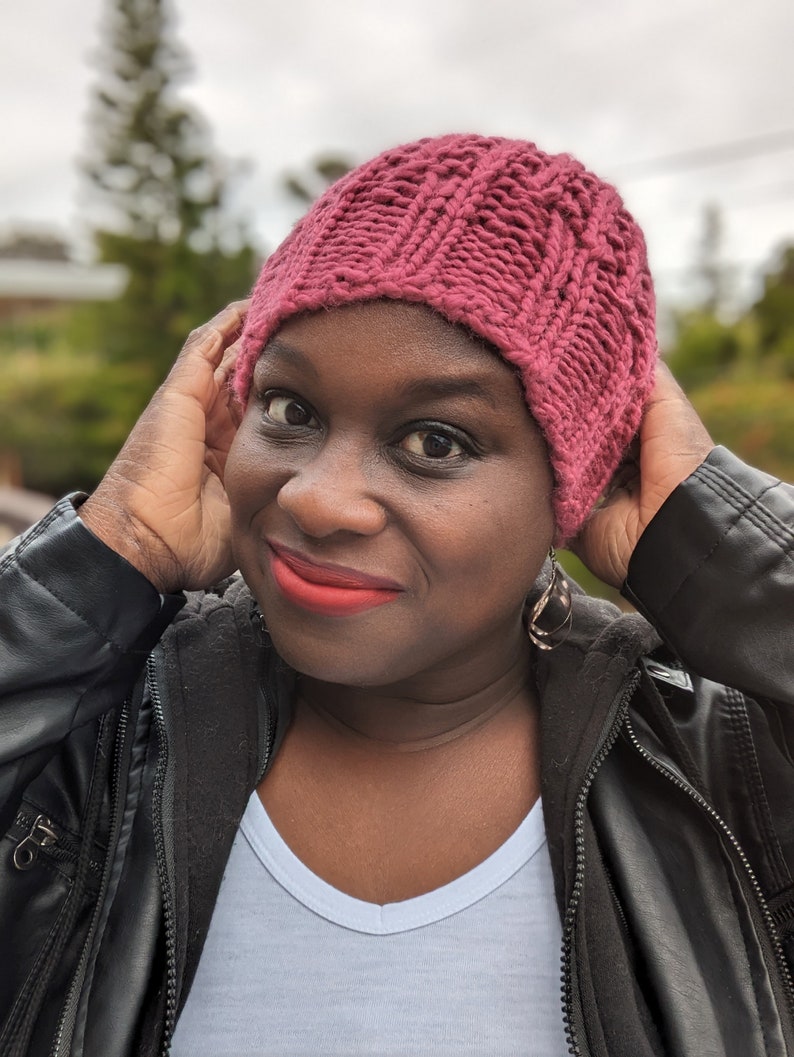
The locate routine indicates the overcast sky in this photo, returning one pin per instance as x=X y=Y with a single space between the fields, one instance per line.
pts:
x=616 y=82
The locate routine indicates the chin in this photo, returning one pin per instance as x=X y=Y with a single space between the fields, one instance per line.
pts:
x=331 y=663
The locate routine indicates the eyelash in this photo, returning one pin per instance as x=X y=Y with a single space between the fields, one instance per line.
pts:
x=288 y=398
x=423 y=429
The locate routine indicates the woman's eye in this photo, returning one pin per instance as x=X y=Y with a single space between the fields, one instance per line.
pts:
x=287 y=411
x=430 y=444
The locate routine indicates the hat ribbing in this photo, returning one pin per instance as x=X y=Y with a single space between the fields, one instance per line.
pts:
x=530 y=251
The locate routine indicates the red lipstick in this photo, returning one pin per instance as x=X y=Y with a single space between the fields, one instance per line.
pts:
x=329 y=590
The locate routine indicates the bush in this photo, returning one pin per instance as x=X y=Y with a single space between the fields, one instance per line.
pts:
x=754 y=417
x=65 y=416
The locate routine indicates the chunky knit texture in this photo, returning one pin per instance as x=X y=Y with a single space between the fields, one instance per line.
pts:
x=530 y=251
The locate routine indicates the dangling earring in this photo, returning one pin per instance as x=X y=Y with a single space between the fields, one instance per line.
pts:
x=557 y=595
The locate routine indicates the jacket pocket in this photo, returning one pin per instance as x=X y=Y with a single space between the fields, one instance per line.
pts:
x=38 y=859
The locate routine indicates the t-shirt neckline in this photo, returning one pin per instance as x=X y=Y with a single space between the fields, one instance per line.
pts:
x=345 y=910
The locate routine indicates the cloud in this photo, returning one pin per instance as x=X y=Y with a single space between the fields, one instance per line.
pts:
x=612 y=82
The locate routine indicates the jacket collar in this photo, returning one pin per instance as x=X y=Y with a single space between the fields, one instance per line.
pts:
x=581 y=684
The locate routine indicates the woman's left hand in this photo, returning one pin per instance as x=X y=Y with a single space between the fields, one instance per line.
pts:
x=671 y=444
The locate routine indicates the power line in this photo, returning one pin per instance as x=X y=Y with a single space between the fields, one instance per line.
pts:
x=701 y=157
x=769 y=194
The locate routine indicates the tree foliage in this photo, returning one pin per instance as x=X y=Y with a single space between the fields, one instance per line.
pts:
x=65 y=414
x=318 y=176
x=160 y=201
x=740 y=374
x=774 y=317
x=159 y=205
x=148 y=156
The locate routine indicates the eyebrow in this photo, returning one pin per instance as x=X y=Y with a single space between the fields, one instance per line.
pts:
x=434 y=387
x=431 y=387
x=280 y=350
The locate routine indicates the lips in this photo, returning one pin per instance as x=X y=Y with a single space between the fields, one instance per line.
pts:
x=328 y=590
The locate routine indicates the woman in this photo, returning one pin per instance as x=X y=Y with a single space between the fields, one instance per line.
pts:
x=300 y=812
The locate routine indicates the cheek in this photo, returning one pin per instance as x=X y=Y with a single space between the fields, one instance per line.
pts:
x=521 y=497
x=492 y=545
x=237 y=474
x=524 y=512
x=524 y=530
x=249 y=478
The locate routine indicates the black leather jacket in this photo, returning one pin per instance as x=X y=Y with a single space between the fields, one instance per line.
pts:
x=133 y=728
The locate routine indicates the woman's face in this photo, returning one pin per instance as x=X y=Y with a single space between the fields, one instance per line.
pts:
x=391 y=498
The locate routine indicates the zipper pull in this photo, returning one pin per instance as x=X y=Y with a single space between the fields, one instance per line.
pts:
x=41 y=835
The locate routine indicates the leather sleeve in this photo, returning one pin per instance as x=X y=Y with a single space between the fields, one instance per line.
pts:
x=714 y=573
x=76 y=624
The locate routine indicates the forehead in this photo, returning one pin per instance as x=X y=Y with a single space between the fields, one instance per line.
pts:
x=390 y=339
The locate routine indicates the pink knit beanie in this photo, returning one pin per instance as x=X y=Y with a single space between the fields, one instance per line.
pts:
x=528 y=250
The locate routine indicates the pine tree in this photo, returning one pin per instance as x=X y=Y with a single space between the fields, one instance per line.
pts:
x=159 y=193
x=774 y=314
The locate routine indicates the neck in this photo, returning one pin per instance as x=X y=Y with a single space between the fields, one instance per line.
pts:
x=415 y=718
x=387 y=794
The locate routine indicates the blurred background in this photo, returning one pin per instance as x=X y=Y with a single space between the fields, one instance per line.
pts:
x=154 y=153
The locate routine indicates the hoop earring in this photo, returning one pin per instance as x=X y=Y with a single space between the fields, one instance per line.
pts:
x=557 y=595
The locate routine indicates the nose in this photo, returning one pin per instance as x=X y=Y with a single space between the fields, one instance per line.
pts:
x=331 y=494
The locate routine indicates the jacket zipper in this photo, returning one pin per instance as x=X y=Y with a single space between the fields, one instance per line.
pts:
x=703 y=804
x=41 y=835
x=160 y=842
x=615 y=718
x=45 y=836
x=69 y=1011
x=160 y=854
x=269 y=733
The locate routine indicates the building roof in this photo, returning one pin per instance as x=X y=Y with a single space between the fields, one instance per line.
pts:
x=60 y=280
x=19 y=509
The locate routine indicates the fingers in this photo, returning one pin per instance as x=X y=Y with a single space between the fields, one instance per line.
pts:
x=671 y=428
x=672 y=442
x=210 y=341
x=626 y=476
x=665 y=385
x=222 y=378
x=162 y=504
x=669 y=400
x=225 y=369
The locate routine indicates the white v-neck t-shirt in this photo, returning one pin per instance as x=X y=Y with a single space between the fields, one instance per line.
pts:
x=292 y=967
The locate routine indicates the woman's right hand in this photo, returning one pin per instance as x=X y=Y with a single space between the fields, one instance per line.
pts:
x=162 y=504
